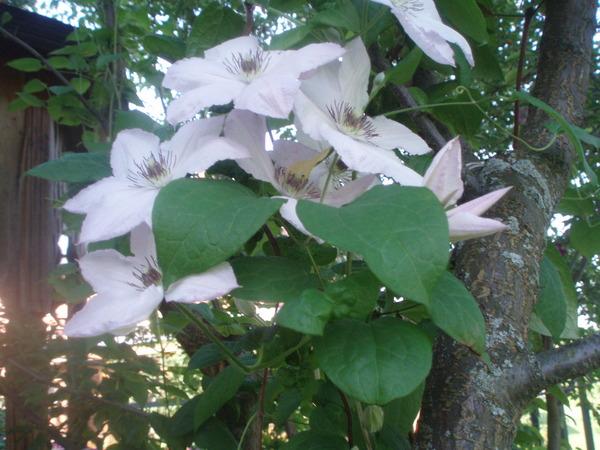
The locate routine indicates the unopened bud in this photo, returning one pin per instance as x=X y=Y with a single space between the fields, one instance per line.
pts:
x=373 y=417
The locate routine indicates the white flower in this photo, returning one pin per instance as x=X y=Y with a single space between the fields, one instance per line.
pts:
x=129 y=289
x=330 y=107
x=141 y=166
x=239 y=70
x=423 y=24
x=443 y=177
x=295 y=170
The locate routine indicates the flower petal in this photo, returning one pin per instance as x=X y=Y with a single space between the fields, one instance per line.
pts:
x=354 y=75
x=464 y=225
x=189 y=73
x=233 y=47
x=108 y=271
x=271 y=95
x=249 y=130
x=310 y=117
x=365 y=157
x=87 y=198
x=297 y=62
x=191 y=102
x=288 y=212
x=113 y=313
x=117 y=211
x=391 y=134
x=213 y=283
x=350 y=191
x=443 y=176
x=285 y=153
x=141 y=243
x=323 y=87
x=129 y=149
x=481 y=204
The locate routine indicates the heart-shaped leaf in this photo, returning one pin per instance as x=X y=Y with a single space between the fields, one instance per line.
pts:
x=375 y=362
x=402 y=233
x=200 y=223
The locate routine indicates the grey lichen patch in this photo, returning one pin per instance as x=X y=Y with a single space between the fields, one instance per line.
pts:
x=491 y=171
x=515 y=259
x=513 y=224
x=541 y=194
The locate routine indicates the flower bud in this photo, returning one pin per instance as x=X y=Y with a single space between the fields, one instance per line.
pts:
x=373 y=417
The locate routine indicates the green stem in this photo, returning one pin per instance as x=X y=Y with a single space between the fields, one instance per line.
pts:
x=207 y=331
x=329 y=175
x=246 y=428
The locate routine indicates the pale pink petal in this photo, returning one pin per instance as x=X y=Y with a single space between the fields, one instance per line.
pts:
x=354 y=75
x=285 y=153
x=310 y=118
x=190 y=73
x=211 y=151
x=464 y=225
x=108 y=271
x=113 y=313
x=323 y=87
x=365 y=157
x=350 y=191
x=87 y=198
x=391 y=134
x=215 y=282
x=384 y=2
x=297 y=62
x=249 y=130
x=142 y=243
x=481 y=204
x=233 y=47
x=131 y=147
x=191 y=102
x=288 y=212
x=118 y=212
x=443 y=176
x=271 y=95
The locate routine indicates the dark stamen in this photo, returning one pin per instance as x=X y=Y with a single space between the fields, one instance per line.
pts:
x=152 y=168
x=252 y=63
x=343 y=114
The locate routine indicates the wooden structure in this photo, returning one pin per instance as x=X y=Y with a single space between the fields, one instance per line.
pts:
x=29 y=230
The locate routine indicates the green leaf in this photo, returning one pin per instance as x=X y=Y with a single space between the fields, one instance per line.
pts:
x=271 y=278
x=467 y=17
x=290 y=38
x=310 y=440
x=215 y=435
x=375 y=362
x=341 y=15
x=308 y=314
x=385 y=226
x=455 y=311
x=487 y=66
x=81 y=85
x=209 y=355
x=214 y=25
x=220 y=390
x=575 y=202
x=355 y=296
x=568 y=129
x=31 y=100
x=60 y=62
x=585 y=238
x=26 y=64
x=167 y=47
x=401 y=413
x=571 y=330
x=74 y=168
x=34 y=86
x=404 y=70
x=134 y=119
x=200 y=223
x=68 y=283
x=551 y=306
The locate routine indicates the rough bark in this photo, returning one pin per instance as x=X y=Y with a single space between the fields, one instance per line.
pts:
x=468 y=404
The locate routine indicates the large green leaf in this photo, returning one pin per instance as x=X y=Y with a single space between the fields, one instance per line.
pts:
x=341 y=15
x=551 y=306
x=215 y=435
x=585 y=238
x=375 y=362
x=219 y=391
x=307 y=314
x=401 y=232
x=466 y=16
x=74 y=168
x=271 y=278
x=200 y=223
x=455 y=311
x=168 y=47
x=401 y=413
x=215 y=24
x=354 y=296
x=310 y=440
x=26 y=64
x=405 y=69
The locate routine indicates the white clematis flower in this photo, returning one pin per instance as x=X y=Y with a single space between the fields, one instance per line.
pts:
x=330 y=107
x=293 y=169
x=443 y=177
x=141 y=167
x=423 y=24
x=129 y=288
x=239 y=70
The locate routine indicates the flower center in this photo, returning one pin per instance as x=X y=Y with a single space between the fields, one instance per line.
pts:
x=296 y=185
x=154 y=170
x=248 y=66
x=147 y=275
x=351 y=122
x=409 y=5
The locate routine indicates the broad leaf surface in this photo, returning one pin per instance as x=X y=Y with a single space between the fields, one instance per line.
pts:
x=551 y=306
x=307 y=314
x=219 y=391
x=74 y=168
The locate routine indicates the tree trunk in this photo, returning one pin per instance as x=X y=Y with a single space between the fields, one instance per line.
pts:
x=469 y=404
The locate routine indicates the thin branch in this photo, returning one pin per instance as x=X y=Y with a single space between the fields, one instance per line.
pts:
x=7 y=34
x=249 y=7
x=348 y=413
x=430 y=132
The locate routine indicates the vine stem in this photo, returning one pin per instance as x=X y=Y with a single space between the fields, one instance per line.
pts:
x=348 y=413
x=7 y=34
x=208 y=332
